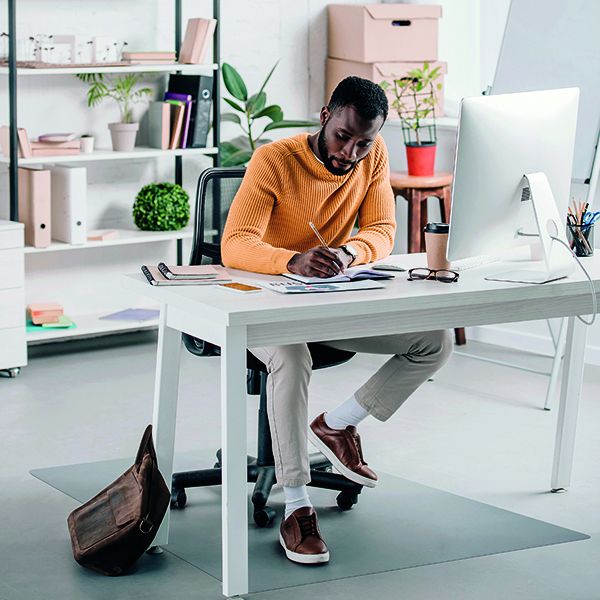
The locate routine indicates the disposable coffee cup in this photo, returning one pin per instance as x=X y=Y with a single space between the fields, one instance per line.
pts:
x=436 y=244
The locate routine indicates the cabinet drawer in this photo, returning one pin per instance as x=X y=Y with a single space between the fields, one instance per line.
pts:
x=11 y=268
x=12 y=308
x=13 y=348
x=11 y=235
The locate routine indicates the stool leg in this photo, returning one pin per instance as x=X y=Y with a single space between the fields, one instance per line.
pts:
x=423 y=195
x=414 y=221
x=445 y=199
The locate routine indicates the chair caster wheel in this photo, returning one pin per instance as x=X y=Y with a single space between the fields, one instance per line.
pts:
x=346 y=500
x=263 y=517
x=178 y=499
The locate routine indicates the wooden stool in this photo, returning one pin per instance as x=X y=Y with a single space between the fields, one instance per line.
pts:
x=416 y=190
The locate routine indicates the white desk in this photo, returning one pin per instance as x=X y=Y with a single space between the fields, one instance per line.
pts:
x=234 y=321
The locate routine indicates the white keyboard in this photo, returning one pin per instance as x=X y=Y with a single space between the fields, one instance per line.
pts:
x=464 y=264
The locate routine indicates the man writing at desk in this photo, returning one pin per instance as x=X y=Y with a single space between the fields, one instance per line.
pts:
x=328 y=178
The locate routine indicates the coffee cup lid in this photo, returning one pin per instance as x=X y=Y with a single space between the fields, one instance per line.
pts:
x=436 y=228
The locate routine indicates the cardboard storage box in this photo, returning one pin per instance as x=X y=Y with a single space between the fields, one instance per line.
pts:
x=378 y=72
x=384 y=32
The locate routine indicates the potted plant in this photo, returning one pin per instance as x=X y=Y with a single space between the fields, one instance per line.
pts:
x=249 y=109
x=122 y=89
x=414 y=99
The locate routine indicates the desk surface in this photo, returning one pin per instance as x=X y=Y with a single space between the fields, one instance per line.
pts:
x=399 y=296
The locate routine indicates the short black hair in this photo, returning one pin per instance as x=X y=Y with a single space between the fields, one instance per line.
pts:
x=366 y=97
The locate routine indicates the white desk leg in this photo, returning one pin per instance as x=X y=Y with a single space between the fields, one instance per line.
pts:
x=165 y=407
x=234 y=509
x=569 y=404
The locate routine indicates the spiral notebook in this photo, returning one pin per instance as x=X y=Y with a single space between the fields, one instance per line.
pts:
x=155 y=277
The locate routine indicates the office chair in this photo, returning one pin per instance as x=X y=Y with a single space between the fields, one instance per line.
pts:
x=214 y=194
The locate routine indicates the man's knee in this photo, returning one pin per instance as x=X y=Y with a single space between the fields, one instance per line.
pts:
x=437 y=345
x=292 y=357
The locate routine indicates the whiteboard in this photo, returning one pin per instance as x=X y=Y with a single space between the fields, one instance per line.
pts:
x=555 y=44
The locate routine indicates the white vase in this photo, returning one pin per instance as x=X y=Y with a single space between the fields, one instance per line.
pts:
x=123 y=136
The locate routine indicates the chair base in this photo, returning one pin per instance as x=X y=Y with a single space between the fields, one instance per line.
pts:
x=264 y=478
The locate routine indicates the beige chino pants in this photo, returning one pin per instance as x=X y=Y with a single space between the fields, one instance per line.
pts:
x=415 y=358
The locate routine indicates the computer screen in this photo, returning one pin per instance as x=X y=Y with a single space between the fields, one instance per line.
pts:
x=501 y=139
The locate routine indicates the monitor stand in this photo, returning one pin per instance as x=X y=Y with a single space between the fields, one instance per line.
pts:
x=557 y=263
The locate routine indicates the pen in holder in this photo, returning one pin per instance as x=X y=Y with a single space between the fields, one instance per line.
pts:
x=581 y=239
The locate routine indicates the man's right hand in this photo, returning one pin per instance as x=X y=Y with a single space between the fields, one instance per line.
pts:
x=316 y=262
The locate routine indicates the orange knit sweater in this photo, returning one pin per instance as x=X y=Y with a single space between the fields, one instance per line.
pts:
x=286 y=186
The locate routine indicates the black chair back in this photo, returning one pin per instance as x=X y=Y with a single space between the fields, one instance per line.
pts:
x=215 y=192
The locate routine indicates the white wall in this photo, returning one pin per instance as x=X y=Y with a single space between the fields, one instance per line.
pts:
x=254 y=35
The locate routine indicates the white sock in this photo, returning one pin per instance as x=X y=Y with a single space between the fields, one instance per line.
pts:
x=347 y=413
x=295 y=498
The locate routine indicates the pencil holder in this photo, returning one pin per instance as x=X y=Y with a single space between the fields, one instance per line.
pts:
x=581 y=239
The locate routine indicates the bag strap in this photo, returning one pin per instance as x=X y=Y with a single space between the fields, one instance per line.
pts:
x=146 y=447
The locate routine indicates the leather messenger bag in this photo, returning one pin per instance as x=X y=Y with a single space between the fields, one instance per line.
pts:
x=111 y=531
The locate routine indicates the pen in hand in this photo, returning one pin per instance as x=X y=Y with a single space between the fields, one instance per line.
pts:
x=320 y=238
x=323 y=242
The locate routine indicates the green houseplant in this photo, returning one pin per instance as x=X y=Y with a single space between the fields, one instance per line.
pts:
x=248 y=110
x=161 y=207
x=124 y=91
x=414 y=99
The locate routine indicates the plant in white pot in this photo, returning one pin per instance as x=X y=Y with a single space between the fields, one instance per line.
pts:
x=124 y=91
x=414 y=99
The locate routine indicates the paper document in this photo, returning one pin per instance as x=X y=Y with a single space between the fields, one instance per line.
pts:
x=289 y=287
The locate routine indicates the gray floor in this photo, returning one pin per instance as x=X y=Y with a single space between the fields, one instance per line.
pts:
x=476 y=431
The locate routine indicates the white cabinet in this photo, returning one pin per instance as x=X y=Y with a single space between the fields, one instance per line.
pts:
x=13 y=347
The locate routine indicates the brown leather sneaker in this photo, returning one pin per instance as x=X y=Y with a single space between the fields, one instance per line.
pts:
x=342 y=447
x=301 y=539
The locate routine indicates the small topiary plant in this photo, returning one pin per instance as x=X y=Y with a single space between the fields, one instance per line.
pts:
x=161 y=207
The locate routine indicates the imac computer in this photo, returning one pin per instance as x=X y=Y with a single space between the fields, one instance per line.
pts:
x=512 y=178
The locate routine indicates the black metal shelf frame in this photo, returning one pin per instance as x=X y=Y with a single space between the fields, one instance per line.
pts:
x=12 y=101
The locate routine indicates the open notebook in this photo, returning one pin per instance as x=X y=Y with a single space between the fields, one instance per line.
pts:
x=351 y=274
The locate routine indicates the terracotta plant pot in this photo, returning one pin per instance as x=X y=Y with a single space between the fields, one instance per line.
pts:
x=123 y=136
x=421 y=159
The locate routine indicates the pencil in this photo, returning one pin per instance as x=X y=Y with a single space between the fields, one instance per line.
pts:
x=323 y=242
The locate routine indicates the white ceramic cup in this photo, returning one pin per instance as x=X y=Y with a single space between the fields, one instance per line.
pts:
x=86 y=144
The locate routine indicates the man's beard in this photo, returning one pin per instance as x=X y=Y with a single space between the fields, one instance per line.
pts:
x=322 y=146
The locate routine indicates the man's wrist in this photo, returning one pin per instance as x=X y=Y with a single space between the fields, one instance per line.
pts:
x=350 y=251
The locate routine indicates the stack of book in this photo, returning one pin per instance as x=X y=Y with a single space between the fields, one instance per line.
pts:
x=150 y=57
x=62 y=144
x=183 y=118
x=48 y=316
x=185 y=275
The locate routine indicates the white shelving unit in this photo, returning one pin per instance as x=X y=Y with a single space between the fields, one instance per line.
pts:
x=138 y=153
x=134 y=68
x=89 y=325
x=87 y=271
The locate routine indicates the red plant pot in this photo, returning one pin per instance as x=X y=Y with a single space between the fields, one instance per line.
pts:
x=421 y=159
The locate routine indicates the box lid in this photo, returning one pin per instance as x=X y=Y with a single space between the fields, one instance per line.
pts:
x=403 y=11
x=389 y=69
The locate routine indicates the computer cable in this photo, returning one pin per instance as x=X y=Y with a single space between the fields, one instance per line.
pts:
x=593 y=291
x=553 y=229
